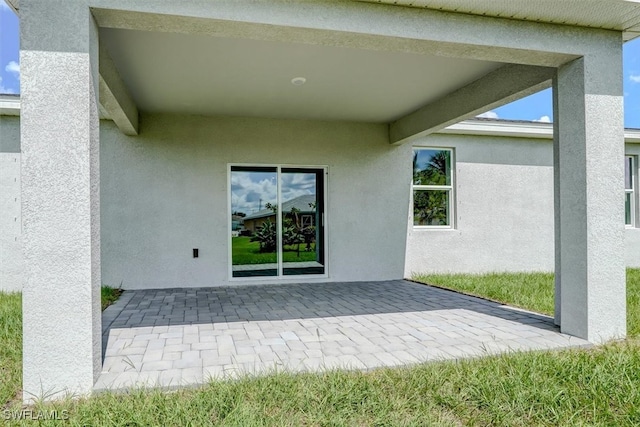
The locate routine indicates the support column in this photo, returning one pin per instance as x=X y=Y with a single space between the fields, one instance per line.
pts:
x=60 y=199
x=589 y=203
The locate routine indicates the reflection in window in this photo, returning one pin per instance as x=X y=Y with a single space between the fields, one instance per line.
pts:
x=432 y=187
x=276 y=221
x=254 y=194
x=302 y=237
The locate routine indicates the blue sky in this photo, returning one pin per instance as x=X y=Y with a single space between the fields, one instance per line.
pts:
x=535 y=107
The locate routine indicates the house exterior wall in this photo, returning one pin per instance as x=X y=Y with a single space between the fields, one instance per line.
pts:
x=11 y=268
x=503 y=209
x=165 y=192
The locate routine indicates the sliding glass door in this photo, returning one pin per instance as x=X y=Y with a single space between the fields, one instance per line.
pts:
x=277 y=221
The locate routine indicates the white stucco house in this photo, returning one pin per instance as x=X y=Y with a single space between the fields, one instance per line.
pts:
x=144 y=125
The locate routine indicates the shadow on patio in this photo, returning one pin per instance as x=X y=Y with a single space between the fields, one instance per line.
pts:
x=182 y=336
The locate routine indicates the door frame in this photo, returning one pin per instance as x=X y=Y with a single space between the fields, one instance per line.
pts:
x=324 y=218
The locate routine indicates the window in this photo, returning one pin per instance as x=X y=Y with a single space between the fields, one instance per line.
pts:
x=629 y=188
x=432 y=187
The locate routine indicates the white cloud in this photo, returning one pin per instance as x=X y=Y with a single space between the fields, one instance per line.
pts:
x=488 y=115
x=5 y=90
x=544 y=119
x=13 y=67
x=634 y=78
x=251 y=191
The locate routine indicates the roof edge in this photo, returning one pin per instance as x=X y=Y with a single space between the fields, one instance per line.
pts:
x=9 y=105
x=13 y=4
x=517 y=129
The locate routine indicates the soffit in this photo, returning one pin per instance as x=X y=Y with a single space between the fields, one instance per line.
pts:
x=621 y=15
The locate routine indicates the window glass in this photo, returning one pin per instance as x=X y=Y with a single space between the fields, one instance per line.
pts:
x=254 y=193
x=431 y=207
x=431 y=167
x=630 y=191
x=277 y=221
x=628 y=173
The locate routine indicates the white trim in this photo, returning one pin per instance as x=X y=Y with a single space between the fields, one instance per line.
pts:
x=9 y=105
x=280 y=278
x=517 y=130
x=632 y=136
x=501 y=128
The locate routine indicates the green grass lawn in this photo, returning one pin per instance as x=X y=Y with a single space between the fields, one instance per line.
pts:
x=244 y=252
x=11 y=340
x=599 y=386
x=531 y=291
x=10 y=346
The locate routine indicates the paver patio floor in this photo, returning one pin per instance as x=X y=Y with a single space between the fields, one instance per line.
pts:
x=178 y=337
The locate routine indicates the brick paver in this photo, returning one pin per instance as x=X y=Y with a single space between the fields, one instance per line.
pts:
x=178 y=337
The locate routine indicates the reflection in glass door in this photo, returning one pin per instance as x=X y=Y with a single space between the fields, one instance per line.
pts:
x=302 y=222
x=254 y=195
x=277 y=221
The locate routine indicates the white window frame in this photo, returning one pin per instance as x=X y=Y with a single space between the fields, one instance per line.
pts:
x=632 y=191
x=449 y=188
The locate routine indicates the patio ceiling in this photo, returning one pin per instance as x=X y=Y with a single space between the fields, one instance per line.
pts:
x=417 y=70
x=208 y=75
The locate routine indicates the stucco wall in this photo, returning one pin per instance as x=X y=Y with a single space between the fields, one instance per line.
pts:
x=165 y=192
x=10 y=217
x=504 y=209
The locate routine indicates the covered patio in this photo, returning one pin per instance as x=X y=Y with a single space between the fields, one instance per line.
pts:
x=178 y=337
x=136 y=114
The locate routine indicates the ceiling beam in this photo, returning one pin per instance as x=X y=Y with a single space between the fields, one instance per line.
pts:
x=360 y=26
x=114 y=96
x=506 y=84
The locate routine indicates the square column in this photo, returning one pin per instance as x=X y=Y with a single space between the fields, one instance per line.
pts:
x=60 y=199
x=589 y=196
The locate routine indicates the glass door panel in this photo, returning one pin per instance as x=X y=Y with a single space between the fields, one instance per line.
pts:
x=302 y=221
x=254 y=234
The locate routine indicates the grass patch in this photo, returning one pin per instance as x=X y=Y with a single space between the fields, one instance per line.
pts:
x=599 y=386
x=11 y=342
x=576 y=387
x=109 y=295
x=10 y=346
x=245 y=252
x=531 y=291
